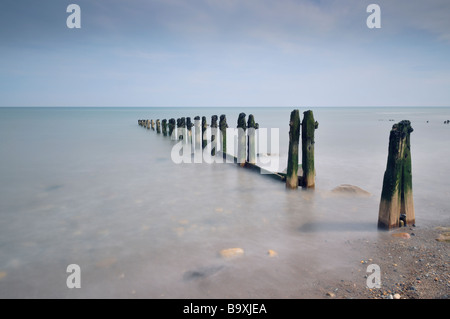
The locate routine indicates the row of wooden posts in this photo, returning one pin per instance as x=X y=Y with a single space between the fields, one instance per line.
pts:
x=396 y=205
x=246 y=153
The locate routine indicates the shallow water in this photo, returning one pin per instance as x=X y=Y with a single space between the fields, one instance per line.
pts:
x=88 y=186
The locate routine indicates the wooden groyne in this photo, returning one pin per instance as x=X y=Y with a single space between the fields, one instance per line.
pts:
x=396 y=206
x=181 y=129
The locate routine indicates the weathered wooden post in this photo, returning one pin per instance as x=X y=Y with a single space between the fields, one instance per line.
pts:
x=189 y=126
x=178 y=129
x=147 y=124
x=241 y=126
x=204 y=128
x=397 y=197
x=308 y=128
x=158 y=126
x=294 y=136
x=152 y=124
x=213 y=135
x=223 y=134
x=164 y=127
x=198 y=138
x=172 y=124
x=251 y=143
x=182 y=129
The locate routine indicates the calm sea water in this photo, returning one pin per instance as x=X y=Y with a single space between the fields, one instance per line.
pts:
x=88 y=186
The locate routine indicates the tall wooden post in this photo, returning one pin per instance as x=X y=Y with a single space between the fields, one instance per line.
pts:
x=204 y=128
x=294 y=136
x=223 y=133
x=213 y=135
x=308 y=128
x=198 y=137
x=147 y=124
x=397 y=197
x=251 y=143
x=158 y=126
x=164 y=127
x=242 y=126
x=152 y=124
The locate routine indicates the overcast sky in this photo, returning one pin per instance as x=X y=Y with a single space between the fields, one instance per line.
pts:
x=225 y=53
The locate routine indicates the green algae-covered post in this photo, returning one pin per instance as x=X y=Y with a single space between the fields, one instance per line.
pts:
x=213 y=134
x=294 y=136
x=396 y=196
x=308 y=128
x=172 y=124
x=164 y=127
x=198 y=137
x=242 y=126
x=158 y=126
x=252 y=126
x=223 y=133
x=204 y=128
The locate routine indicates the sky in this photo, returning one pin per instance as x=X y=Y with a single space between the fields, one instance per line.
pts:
x=225 y=53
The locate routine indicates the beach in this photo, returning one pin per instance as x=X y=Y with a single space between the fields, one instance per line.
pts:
x=412 y=267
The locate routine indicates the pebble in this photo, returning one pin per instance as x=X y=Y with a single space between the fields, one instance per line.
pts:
x=396 y=296
x=231 y=252
x=272 y=253
x=330 y=294
x=401 y=235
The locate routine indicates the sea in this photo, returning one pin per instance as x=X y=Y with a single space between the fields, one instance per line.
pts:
x=88 y=186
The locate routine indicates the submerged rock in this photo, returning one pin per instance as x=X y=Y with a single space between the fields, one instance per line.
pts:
x=202 y=272
x=346 y=189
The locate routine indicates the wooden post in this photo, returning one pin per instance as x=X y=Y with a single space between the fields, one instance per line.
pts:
x=204 y=128
x=242 y=126
x=223 y=133
x=294 y=136
x=198 y=138
x=182 y=129
x=251 y=143
x=158 y=126
x=164 y=127
x=308 y=128
x=172 y=124
x=189 y=126
x=152 y=124
x=397 y=203
x=213 y=135
x=147 y=124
